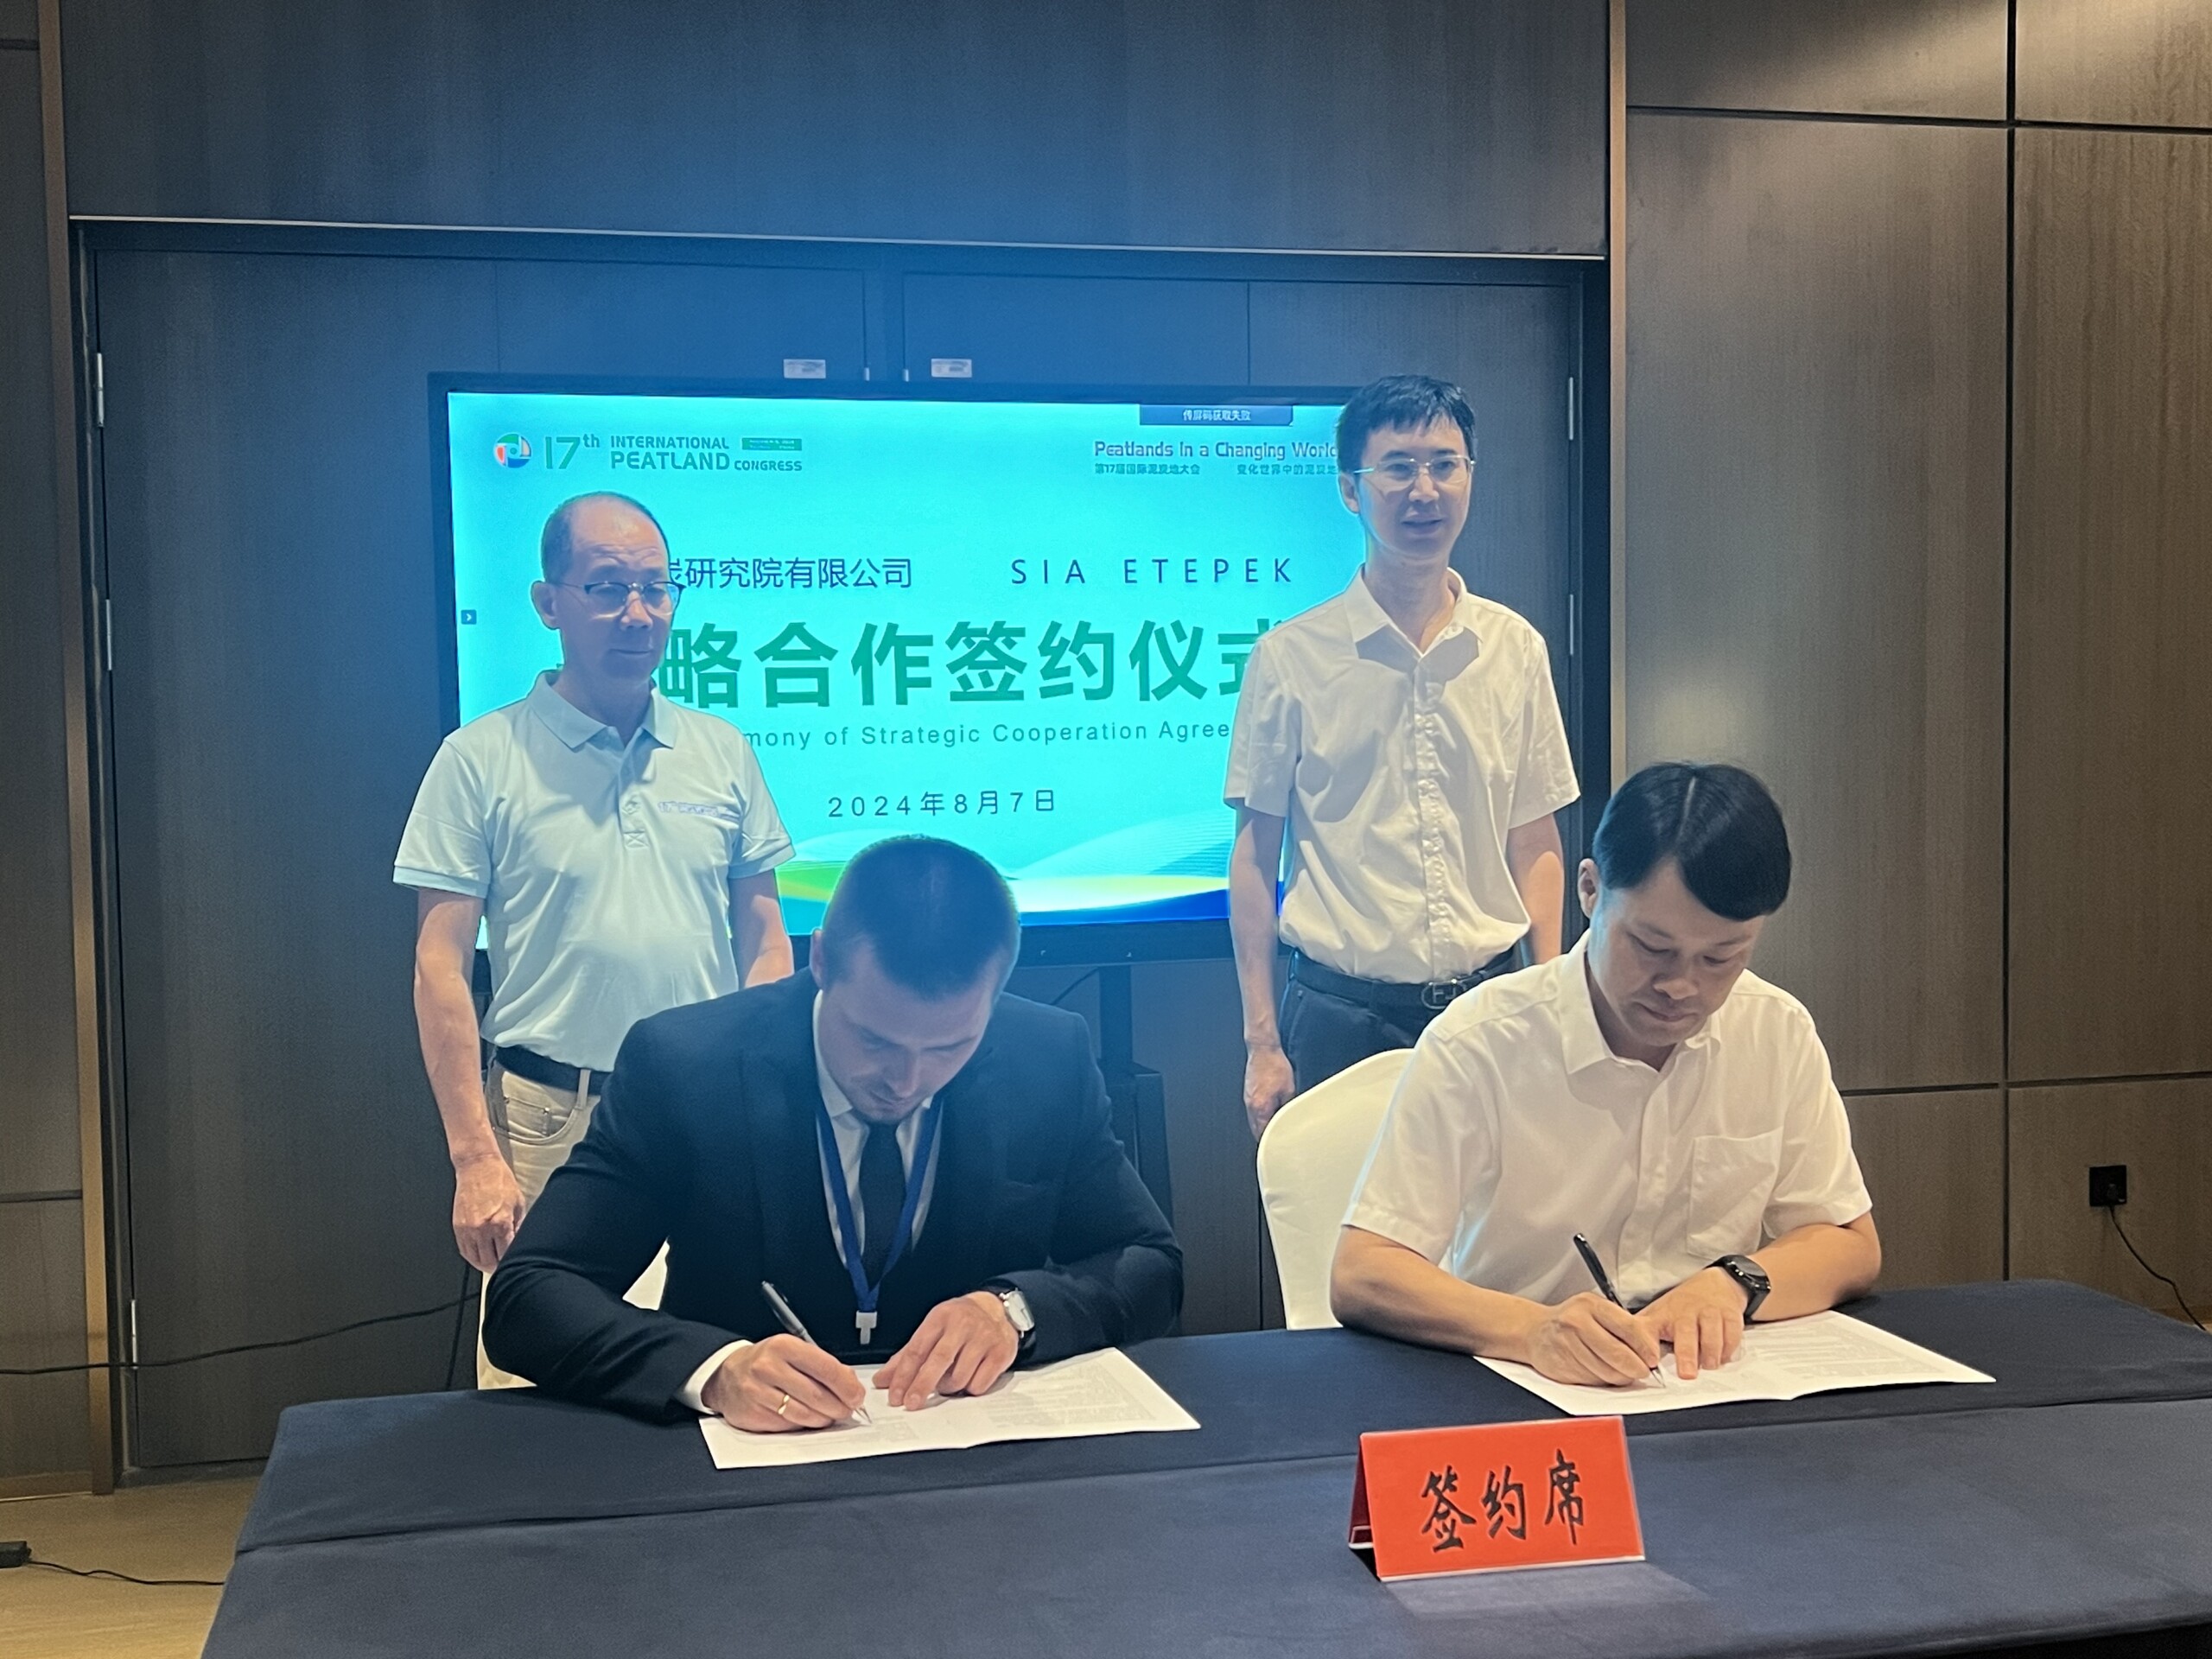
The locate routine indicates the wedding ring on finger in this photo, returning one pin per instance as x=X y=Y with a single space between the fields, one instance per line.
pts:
x=782 y=1403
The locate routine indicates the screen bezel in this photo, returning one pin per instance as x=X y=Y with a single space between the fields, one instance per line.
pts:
x=1043 y=944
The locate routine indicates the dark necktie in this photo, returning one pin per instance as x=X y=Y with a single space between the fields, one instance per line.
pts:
x=883 y=1194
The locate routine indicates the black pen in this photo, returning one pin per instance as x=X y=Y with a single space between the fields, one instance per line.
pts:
x=792 y=1322
x=1604 y=1285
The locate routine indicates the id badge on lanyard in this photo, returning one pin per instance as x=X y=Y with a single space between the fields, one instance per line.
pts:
x=865 y=1295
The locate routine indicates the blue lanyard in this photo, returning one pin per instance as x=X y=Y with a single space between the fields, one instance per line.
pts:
x=864 y=1293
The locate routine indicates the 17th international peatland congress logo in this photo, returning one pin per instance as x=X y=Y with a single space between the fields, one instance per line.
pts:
x=513 y=450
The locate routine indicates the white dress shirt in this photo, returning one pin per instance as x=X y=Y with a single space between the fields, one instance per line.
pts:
x=850 y=1130
x=1515 y=1127
x=1401 y=771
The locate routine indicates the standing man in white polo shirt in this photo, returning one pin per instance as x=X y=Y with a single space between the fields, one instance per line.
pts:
x=1407 y=734
x=1645 y=1091
x=621 y=852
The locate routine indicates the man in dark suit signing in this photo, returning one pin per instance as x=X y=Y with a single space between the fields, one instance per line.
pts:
x=923 y=1165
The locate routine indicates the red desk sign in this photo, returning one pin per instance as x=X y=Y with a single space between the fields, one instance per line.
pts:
x=1495 y=1496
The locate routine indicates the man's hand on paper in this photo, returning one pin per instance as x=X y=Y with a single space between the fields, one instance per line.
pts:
x=1702 y=1317
x=767 y=1387
x=1587 y=1339
x=963 y=1347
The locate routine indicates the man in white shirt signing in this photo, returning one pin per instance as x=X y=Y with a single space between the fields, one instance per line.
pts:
x=1645 y=1090
x=1403 y=741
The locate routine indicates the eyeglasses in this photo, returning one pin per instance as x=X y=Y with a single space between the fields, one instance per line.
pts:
x=612 y=598
x=1448 y=472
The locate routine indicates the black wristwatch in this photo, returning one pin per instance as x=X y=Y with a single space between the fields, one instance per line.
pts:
x=1752 y=1276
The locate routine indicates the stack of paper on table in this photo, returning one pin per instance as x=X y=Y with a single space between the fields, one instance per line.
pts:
x=1105 y=1393
x=1783 y=1361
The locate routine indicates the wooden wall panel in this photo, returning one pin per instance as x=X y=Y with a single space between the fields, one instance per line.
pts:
x=38 y=1017
x=1153 y=124
x=2146 y=63
x=2111 y=607
x=738 y=323
x=2162 y=1130
x=43 y=1421
x=1253 y=124
x=1935 y=1164
x=267 y=476
x=1189 y=1029
x=1101 y=331
x=1933 y=59
x=1816 y=546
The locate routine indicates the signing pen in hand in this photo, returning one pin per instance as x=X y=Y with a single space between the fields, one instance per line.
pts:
x=792 y=1323
x=1598 y=1273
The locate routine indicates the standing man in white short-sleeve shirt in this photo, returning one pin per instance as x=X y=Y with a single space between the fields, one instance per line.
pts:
x=1646 y=1090
x=1408 y=735
x=622 y=852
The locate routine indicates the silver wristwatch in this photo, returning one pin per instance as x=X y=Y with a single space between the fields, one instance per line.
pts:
x=1017 y=1313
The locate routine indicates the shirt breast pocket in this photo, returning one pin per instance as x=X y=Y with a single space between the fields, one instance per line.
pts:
x=1731 y=1177
x=703 y=835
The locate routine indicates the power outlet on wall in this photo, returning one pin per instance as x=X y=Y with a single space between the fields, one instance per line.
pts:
x=2107 y=1185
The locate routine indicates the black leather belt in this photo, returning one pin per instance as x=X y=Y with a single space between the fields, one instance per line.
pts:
x=1436 y=995
x=549 y=1074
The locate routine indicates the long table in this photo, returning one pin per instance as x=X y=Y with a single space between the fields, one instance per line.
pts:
x=2069 y=1501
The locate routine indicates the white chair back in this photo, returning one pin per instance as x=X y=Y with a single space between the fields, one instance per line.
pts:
x=1310 y=1157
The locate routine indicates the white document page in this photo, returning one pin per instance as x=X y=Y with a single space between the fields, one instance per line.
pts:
x=1105 y=1393
x=1783 y=1361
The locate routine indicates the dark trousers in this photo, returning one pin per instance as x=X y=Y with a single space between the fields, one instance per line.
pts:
x=1324 y=1034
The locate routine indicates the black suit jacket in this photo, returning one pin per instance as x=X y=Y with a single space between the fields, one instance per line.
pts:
x=705 y=1137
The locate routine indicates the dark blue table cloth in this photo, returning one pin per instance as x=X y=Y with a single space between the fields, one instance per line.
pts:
x=2070 y=1499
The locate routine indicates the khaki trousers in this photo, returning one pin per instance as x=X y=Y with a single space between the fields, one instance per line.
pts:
x=537 y=1128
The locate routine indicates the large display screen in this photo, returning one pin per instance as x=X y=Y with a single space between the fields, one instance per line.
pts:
x=1017 y=623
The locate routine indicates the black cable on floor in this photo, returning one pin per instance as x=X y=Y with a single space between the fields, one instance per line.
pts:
x=125 y=1578
x=2112 y=1209
x=236 y=1348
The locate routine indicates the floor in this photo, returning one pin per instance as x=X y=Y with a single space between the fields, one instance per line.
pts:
x=180 y=1531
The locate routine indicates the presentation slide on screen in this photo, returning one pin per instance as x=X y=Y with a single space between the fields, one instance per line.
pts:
x=1021 y=626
